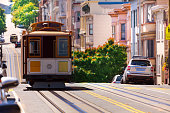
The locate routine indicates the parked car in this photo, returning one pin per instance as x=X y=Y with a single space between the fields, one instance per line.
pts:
x=2 y=40
x=20 y=26
x=3 y=68
x=18 y=44
x=139 y=69
x=117 y=79
x=13 y=38
x=7 y=106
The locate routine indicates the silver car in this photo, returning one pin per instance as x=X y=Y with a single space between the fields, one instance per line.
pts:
x=139 y=69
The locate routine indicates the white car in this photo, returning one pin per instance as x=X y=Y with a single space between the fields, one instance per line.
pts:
x=140 y=70
x=117 y=79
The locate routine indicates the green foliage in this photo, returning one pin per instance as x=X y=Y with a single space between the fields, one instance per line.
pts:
x=24 y=12
x=20 y=3
x=99 y=64
x=2 y=21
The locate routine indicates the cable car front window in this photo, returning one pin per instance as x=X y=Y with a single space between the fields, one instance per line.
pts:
x=63 y=47
x=34 y=47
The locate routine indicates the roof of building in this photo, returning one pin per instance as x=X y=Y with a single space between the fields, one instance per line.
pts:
x=107 y=3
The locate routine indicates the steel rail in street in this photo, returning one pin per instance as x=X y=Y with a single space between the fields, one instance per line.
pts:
x=165 y=99
x=68 y=102
x=81 y=100
x=125 y=91
x=157 y=107
x=57 y=107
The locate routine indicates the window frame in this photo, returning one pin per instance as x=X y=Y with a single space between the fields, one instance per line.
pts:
x=150 y=49
x=57 y=46
x=124 y=31
x=78 y=31
x=78 y=16
x=29 y=40
x=113 y=30
x=90 y=29
x=152 y=18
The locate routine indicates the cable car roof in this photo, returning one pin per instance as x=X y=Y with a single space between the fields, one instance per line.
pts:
x=52 y=26
x=48 y=33
x=34 y=24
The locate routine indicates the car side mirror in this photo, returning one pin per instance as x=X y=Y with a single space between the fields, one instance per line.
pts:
x=4 y=66
x=9 y=82
x=9 y=108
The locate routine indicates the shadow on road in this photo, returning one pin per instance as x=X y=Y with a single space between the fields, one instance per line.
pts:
x=57 y=89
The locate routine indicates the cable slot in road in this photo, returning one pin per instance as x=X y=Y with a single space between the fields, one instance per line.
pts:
x=84 y=102
x=68 y=102
x=58 y=108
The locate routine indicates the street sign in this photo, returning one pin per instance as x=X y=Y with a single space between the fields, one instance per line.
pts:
x=168 y=32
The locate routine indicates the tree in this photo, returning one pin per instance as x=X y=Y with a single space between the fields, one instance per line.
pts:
x=25 y=15
x=20 y=3
x=2 y=21
x=100 y=64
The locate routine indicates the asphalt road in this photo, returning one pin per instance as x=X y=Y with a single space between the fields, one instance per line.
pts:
x=82 y=97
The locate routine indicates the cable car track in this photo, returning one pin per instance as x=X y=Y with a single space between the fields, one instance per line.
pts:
x=68 y=102
x=143 y=94
x=157 y=107
x=57 y=107
x=83 y=102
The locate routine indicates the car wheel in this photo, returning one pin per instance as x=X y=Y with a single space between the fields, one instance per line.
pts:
x=126 y=82
x=122 y=81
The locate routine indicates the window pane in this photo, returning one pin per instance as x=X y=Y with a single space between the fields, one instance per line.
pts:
x=34 y=47
x=150 y=44
x=78 y=16
x=141 y=62
x=78 y=31
x=90 y=29
x=63 y=47
x=122 y=31
x=149 y=14
x=113 y=30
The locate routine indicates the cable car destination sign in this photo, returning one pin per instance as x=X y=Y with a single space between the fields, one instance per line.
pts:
x=168 y=32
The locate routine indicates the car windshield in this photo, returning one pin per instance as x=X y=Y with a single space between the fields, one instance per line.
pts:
x=141 y=62
x=118 y=78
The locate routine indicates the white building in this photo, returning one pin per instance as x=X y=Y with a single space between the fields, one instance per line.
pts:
x=161 y=42
x=134 y=49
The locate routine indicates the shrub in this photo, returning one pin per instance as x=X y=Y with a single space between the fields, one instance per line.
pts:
x=99 y=64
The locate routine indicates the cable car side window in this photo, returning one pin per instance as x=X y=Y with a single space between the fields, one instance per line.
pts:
x=34 y=47
x=62 y=47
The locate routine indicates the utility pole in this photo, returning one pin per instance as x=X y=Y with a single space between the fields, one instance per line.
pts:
x=139 y=47
x=169 y=47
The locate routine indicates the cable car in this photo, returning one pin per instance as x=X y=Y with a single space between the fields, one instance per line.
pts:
x=46 y=55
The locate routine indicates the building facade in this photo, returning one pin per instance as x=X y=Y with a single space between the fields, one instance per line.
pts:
x=134 y=47
x=121 y=22
x=96 y=26
x=147 y=35
x=160 y=11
